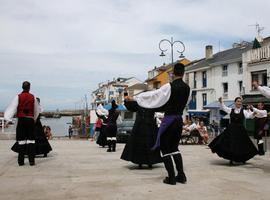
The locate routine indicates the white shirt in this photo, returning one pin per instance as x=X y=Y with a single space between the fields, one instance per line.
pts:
x=247 y=113
x=259 y=113
x=265 y=91
x=154 y=99
x=12 y=109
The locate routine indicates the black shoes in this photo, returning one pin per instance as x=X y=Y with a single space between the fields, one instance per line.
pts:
x=45 y=155
x=181 y=178
x=109 y=150
x=170 y=181
x=32 y=163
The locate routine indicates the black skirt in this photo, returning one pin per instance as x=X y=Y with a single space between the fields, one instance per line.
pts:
x=102 y=138
x=143 y=137
x=234 y=144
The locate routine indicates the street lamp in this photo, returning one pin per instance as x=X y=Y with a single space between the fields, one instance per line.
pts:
x=172 y=44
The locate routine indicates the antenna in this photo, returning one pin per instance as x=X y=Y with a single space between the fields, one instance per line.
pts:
x=258 y=28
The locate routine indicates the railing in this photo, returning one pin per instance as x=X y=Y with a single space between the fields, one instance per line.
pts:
x=260 y=54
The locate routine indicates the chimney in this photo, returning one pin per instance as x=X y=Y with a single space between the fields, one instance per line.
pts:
x=208 y=51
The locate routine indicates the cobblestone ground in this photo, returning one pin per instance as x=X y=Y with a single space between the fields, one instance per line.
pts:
x=79 y=169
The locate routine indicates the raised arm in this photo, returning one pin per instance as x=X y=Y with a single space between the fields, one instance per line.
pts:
x=265 y=91
x=224 y=107
x=156 y=98
x=11 y=109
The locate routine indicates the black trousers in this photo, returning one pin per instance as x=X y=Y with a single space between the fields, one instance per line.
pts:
x=25 y=136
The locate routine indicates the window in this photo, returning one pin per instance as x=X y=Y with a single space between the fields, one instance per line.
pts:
x=260 y=76
x=157 y=85
x=225 y=70
x=240 y=68
x=204 y=97
x=204 y=79
x=194 y=80
x=225 y=90
x=240 y=84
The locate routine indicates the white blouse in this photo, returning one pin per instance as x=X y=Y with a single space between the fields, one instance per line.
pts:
x=265 y=91
x=247 y=113
x=259 y=113
x=154 y=99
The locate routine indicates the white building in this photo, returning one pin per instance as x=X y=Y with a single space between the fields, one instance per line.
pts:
x=216 y=75
x=106 y=92
x=256 y=66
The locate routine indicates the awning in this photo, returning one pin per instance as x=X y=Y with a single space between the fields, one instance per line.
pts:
x=216 y=104
x=254 y=99
x=120 y=107
x=197 y=113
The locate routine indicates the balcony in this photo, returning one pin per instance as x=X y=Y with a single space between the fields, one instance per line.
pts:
x=258 y=55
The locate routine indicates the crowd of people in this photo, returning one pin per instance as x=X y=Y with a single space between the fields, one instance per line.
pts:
x=155 y=137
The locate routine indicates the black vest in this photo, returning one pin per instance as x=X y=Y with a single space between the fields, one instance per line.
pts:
x=178 y=99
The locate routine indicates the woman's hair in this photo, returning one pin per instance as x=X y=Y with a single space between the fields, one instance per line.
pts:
x=237 y=99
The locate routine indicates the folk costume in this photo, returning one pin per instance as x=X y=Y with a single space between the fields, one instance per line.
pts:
x=234 y=143
x=111 y=128
x=143 y=136
x=260 y=123
x=102 y=113
x=26 y=107
x=172 y=99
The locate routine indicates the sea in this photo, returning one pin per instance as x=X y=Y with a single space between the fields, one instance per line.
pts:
x=59 y=126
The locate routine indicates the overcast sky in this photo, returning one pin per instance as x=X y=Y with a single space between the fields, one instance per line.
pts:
x=66 y=47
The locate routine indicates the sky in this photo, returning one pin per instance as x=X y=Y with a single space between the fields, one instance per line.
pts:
x=66 y=47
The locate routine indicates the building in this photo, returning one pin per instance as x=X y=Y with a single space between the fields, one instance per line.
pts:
x=256 y=67
x=216 y=75
x=110 y=90
x=162 y=75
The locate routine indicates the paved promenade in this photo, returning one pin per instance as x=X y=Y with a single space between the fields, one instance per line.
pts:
x=79 y=169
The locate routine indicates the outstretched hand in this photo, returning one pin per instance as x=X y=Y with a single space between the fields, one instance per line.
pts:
x=255 y=84
x=220 y=99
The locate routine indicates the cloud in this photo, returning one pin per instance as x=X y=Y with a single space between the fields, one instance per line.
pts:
x=66 y=47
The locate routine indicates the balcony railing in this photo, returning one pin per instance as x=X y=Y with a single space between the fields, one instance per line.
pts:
x=257 y=55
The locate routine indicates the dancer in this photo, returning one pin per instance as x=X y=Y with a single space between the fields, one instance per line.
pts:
x=26 y=107
x=102 y=114
x=234 y=143
x=111 y=128
x=172 y=99
x=263 y=89
x=144 y=132
x=260 y=121
x=42 y=144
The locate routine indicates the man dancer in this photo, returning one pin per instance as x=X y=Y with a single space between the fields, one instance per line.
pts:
x=27 y=109
x=172 y=99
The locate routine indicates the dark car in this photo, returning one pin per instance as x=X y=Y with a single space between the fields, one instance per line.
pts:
x=124 y=131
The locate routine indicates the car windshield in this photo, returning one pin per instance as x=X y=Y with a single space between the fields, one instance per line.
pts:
x=127 y=123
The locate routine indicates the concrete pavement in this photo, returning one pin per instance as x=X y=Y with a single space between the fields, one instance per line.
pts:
x=79 y=169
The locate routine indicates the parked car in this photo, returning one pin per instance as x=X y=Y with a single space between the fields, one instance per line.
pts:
x=124 y=131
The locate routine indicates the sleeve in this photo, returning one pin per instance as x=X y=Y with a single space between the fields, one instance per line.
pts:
x=248 y=114
x=260 y=113
x=11 y=109
x=37 y=109
x=131 y=105
x=156 y=98
x=225 y=108
x=265 y=91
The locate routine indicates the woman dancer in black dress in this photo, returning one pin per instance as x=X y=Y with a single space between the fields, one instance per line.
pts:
x=143 y=137
x=234 y=143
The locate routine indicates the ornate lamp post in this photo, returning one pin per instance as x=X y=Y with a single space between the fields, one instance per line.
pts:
x=172 y=43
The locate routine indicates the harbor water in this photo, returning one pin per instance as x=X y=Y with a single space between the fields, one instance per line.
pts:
x=59 y=126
